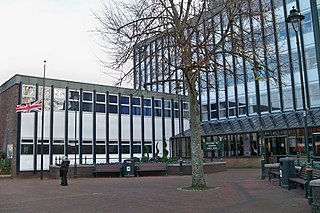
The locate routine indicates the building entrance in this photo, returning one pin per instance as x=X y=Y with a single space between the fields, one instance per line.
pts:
x=275 y=148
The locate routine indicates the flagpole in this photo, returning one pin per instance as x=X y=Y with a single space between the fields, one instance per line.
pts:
x=42 y=124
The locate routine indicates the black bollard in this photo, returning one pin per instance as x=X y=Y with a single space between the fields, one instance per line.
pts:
x=181 y=168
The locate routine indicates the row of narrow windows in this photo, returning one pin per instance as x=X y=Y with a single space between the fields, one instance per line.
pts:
x=115 y=103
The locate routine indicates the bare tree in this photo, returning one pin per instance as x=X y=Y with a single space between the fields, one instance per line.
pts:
x=203 y=37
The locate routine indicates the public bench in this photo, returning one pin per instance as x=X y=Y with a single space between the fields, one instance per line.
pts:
x=152 y=167
x=302 y=178
x=111 y=169
x=274 y=173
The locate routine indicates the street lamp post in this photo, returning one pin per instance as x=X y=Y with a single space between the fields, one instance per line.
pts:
x=256 y=68
x=76 y=98
x=295 y=18
x=42 y=120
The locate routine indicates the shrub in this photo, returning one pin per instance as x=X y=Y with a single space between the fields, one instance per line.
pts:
x=5 y=167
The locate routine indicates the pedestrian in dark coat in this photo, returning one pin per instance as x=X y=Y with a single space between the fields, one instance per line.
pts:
x=64 y=170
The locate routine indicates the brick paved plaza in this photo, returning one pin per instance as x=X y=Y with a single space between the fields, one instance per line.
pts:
x=237 y=190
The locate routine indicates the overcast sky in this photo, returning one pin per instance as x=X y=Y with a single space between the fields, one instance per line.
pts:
x=57 y=31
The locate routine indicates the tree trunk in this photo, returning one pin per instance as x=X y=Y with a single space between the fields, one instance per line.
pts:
x=198 y=180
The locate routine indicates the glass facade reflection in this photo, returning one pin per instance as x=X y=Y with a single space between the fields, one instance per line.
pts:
x=248 y=93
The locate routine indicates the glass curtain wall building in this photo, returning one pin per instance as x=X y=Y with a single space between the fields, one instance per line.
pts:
x=244 y=112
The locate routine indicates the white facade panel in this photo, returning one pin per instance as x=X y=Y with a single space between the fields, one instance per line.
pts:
x=46 y=132
x=58 y=124
x=87 y=126
x=137 y=128
x=125 y=128
x=27 y=125
x=101 y=127
x=147 y=128
x=113 y=127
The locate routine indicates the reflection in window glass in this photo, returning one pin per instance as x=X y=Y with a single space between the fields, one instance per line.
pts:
x=26 y=149
x=47 y=96
x=147 y=147
x=28 y=93
x=59 y=99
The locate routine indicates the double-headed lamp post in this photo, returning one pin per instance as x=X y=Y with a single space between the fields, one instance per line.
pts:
x=76 y=98
x=295 y=18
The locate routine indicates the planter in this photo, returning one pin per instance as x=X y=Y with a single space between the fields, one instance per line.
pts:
x=212 y=167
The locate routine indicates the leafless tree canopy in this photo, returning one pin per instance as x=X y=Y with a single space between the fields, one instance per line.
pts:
x=202 y=37
x=216 y=34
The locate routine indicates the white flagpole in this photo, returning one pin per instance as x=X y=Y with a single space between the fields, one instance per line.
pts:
x=42 y=124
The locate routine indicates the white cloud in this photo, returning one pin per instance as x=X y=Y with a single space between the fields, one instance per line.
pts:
x=56 y=31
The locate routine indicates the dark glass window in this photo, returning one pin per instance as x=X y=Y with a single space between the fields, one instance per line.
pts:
x=124 y=100
x=113 y=108
x=125 y=149
x=214 y=114
x=136 y=111
x=57 y=149
x=73 y=106
x=71 y=149
x=26 y=149
x=147 y=148
x=87 y=107
x=101 y=98
x=167 y=113
x=87 y=96
x=147 y=111
x=113 y=149
x=113 y=99
x=100 y=108
x=74 y=94
x=136 y=148
x=124 y=109
x=147 y=102
x=157 y=103
x=45 y=149
x=135 y=101
x=158 y=112
x=100 y=149
x=167 y=104
x=87 y=149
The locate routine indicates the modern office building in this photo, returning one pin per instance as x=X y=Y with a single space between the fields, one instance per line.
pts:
x=89 y=123
x=243 y=112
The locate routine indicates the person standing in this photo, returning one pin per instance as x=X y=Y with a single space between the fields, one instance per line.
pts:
x=64 y=170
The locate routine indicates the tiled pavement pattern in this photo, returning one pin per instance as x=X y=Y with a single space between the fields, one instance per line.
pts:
x=236 y=190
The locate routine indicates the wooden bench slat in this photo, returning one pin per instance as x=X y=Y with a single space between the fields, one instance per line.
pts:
x=107 y=168
x=302 y=178
x=152 y=167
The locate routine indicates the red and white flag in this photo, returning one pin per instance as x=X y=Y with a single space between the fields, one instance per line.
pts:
x=29 y=107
